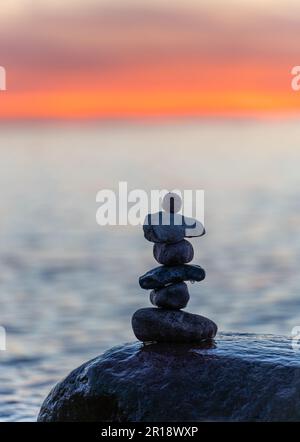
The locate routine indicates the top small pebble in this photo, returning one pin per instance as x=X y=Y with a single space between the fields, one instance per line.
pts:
x=172 y=202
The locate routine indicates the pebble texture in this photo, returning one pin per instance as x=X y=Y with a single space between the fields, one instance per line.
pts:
x=161 y=325
x=239 y=378
x=174 y=296
x=173 y=254
x=161 y=276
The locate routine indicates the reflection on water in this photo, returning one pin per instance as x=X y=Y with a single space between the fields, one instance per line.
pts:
x=69 y=287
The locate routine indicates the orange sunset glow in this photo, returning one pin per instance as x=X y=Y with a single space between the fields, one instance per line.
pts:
x=117 y=60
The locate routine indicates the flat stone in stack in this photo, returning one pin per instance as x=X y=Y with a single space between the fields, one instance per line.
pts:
x=170 y=228
x=163 y=275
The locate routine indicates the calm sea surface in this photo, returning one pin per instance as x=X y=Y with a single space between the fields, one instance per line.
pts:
x=68 y=287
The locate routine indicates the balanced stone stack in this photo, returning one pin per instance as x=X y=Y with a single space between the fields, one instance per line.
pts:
x=166 y=322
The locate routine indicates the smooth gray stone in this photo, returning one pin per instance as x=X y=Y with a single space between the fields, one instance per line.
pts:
x=242 y=377
x=170 y=227
x=161 y=325
x=160 y=276
x=174 y=296
x=173 y=254
x=172 y=202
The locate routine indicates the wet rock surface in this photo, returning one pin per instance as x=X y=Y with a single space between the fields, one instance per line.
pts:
x=163 y=275
x=239 y=377
x=174 y=296
x=162 y=325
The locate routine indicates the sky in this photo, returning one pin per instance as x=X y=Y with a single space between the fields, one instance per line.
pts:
x=87 y=59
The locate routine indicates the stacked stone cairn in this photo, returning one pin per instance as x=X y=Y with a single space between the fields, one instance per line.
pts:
x=167 y=322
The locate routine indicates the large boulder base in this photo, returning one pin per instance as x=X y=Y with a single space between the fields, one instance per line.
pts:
x=240 y=377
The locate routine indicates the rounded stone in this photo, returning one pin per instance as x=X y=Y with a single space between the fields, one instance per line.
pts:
x=241 y=377
x=174 y=296
x=160 y=325
x=161 y=276
x=172 y=202
x=173 y=254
